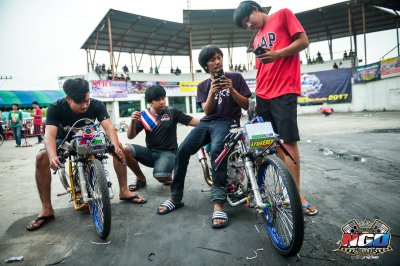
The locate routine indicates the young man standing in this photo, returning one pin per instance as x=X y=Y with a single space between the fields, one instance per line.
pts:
x=282 y=37
x=222 y=100
x=14 y=122
x=37 y=121
x=160 y=123
x=61 y=115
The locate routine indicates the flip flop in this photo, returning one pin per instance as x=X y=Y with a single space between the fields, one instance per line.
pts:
x=131 y=199
x=137 y=184
x=221 y=216
x=170 y=206
x=45 y=219
x=308 y=211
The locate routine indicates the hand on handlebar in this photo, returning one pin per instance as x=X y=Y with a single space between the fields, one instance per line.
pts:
x=55 y=163
x=117 y=153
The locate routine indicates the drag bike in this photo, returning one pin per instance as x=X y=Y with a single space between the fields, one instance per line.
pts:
x=258 y=177
x=87 y=179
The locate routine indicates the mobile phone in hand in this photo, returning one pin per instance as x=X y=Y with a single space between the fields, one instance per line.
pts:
x=218 y=73
x=259 y=51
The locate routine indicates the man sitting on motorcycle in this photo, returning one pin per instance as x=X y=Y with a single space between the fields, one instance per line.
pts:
x=60 y=115
x=222 y=100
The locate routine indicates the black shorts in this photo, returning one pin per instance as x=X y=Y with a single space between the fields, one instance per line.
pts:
x=282 y=113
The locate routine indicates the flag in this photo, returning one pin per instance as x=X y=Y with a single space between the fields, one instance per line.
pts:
x=149 y=120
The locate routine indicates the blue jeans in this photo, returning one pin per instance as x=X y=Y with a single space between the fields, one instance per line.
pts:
x=17 y=134
x=212 y=132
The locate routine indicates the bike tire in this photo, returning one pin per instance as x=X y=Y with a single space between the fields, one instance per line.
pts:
x=206 y=172
x=284 y=219
x=99 y=206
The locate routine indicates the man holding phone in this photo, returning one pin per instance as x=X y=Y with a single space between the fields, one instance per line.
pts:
x=279 y=39
x=222 y=97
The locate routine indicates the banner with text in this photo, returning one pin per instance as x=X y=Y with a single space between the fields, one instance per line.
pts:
x=108 y=89
x=390 y=66
x=333 y=86
x=367 y=73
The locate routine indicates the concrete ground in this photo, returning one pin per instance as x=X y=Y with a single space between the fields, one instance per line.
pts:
x=350 y=167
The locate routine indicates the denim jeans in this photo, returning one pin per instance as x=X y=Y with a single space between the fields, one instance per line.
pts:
x=162 y=161
x=212 y=132
x=17 y=134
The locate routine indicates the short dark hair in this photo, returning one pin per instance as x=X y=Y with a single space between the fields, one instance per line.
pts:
x=76 y=89
x=244 y=11
x=206 y=53
x=16 y=104
x=154 y=93
x=35 y=103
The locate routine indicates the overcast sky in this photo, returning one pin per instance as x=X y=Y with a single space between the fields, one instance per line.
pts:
x=41 y=39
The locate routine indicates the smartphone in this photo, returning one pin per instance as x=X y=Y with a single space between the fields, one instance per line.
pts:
x=218 y=73
x=259 y=51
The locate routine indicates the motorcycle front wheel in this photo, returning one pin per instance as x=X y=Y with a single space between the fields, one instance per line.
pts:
x=284 y=220
x=99 y=206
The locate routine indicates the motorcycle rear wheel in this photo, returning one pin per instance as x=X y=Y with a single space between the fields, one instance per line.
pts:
x=284 y=219
x=99 y=206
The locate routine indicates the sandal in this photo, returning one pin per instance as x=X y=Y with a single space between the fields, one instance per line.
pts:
x=220 y=215
x=43 y=219
x=170 y=206
x=137 y=184
x=308 y=211
x=133 y=201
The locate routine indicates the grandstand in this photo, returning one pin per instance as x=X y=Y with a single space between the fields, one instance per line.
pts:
x=121 y=32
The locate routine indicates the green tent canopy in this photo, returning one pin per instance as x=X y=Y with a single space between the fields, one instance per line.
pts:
x=25 y=98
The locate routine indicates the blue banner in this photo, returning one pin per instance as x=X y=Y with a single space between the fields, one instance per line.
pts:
x=332 y=86
x=367 y=73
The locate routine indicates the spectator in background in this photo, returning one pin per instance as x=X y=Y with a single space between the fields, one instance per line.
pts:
x=103 y=68
x=1 y=125
x=252 y=109
x=172 y=71
x=335 y=66
x=37 y=121
x=177 y=71
x=345 y=55
x=326 y=110
x=240 y=68
x=319 y=58
x=340 y=64
x=14 y=122
x=156 y=71
x=151 y=70
x=236 y=67
x=125 y=69
x=244 y=68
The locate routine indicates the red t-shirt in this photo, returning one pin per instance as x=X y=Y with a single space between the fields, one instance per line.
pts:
x=283 y=75
x=37 y=116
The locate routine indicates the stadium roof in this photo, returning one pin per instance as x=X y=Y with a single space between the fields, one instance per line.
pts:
x=133 y=33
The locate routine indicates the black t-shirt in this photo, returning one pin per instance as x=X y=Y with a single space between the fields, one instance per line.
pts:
x=59 y=114
x=163 y=137
x=227 y=108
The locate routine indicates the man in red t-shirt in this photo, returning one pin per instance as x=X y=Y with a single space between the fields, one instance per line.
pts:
x=280 y=37
x=37 y=121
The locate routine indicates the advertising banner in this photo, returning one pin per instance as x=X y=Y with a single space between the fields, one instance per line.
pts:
x=108 y=89
x=390 y=66
x=333 y=86
x=188 y=86
x=367 y=73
